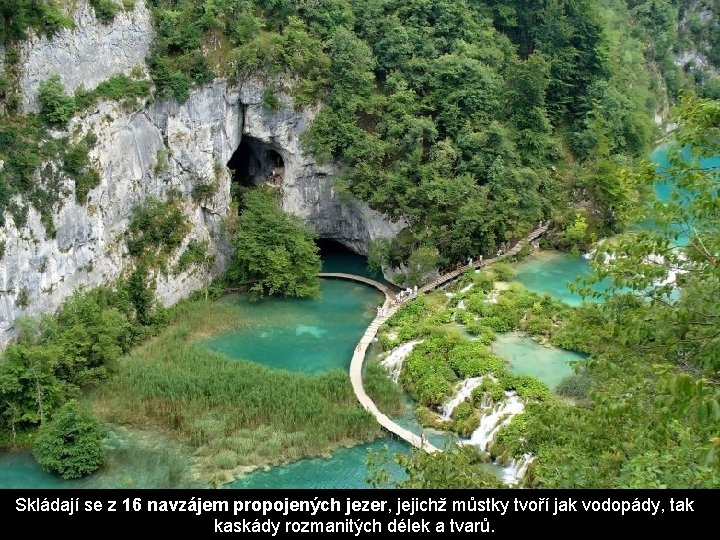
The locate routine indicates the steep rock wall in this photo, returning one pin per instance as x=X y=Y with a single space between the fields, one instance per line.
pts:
x=308 y=188
x=155 y=149
x=87 y=54
x=89 y=247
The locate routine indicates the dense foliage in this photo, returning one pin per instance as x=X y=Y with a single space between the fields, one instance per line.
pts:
x=440 y=111
x=645 y=409
x=684 y=242
x=35 y=160
x=71 y=443
x=275 y=252
x=17 y=16
x=157 y=229
x=54 y=358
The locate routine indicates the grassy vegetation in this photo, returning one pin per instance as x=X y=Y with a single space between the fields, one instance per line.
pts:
x=381 y=389
x=233 y=414
x=105 y=10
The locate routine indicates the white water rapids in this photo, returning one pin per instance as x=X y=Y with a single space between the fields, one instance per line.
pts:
x=464 y=392
x=491 y=422
x=394 y=361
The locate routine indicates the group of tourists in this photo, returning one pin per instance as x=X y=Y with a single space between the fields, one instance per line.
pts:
x=406 y=294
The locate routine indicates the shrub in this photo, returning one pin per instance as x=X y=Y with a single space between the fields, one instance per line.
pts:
x=270 y=100
x=537 y=325
x=503 y=271
x=71 y=443
x=119 y=87
x=484 y=280
x=156 y=230
x=57 y=107
x=483 y=334
x=498 y=324
x=472 y=359
x=526 y=386
x=77 y=165
x=466 y=419
x=202 y=193
x=23 y=298
x=489 y=387
x=196 y=254
x=105 y=10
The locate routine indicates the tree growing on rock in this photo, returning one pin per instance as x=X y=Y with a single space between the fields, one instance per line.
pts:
x=275 y=252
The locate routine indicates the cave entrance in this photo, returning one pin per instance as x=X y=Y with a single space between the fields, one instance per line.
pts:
x=255 y=163
x=337 y=257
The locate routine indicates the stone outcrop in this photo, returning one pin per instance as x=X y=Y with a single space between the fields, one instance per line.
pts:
x=159 y=149
x=87 y=54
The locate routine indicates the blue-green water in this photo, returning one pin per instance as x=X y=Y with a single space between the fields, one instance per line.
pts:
x=346 y=468
x=661 y=158
x=527 y=357
x=133 y=460
x=308 y=335
x=550 y=272
x=20 y=470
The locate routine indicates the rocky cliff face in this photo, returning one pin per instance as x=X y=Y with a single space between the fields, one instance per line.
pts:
x=156 y=149
x=87 y=54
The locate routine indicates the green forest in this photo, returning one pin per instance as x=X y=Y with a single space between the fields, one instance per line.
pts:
x=474 y=121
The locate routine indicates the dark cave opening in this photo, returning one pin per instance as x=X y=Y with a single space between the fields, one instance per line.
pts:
x=255 y=163
x=329 y=246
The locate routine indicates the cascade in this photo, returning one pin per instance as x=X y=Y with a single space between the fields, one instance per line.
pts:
x=515 y=471
x=394 y=361
x=464 y=392
x=499 y=416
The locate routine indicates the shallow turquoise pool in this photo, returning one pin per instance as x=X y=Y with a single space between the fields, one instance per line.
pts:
x=527 y=357
x=308 y=335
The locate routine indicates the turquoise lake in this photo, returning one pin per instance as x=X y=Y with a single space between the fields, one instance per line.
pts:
x=310 y=335
x=318 y=335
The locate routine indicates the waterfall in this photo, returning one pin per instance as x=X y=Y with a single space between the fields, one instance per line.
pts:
x=515 y=471
x=466 y=288
x=491 y=422
x=394 y=361
x=461 y=304
x=465 y=390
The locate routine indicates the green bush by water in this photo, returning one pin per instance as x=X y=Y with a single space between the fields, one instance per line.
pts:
x=71 y=443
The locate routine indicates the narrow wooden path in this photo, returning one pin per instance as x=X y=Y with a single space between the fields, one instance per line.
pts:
x=388 y=310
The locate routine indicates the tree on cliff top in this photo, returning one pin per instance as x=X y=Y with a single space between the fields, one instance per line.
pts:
x=275 y=253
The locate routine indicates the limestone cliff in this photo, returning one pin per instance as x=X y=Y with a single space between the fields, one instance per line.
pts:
x=155 y=149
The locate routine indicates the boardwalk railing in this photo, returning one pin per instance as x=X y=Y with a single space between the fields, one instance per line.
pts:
x=388 y=310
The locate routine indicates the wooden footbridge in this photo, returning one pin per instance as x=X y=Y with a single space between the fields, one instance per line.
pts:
x=388 y=310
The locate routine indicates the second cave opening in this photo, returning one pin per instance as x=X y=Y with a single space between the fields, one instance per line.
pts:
x=255 y=163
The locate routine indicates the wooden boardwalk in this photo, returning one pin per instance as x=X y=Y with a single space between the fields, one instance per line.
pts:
x=389 y=309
